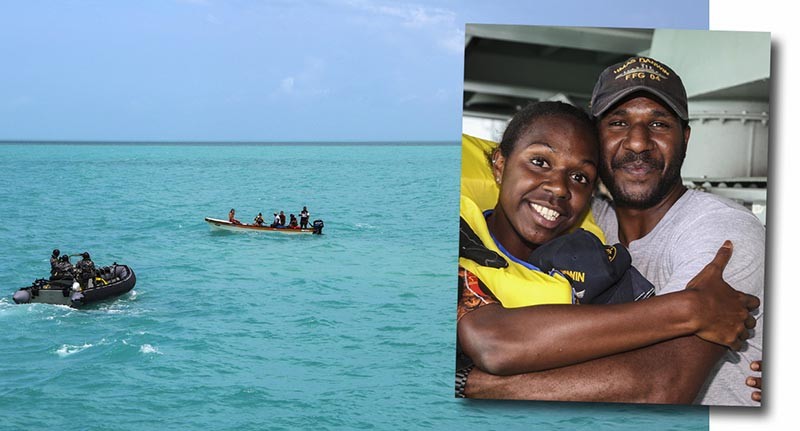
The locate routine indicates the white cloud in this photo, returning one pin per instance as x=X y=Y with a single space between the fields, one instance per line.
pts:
x=309 y=80
x=287 y=84
x=440 y=95
x=453 y=41
x=410 y=14
x=418 y=16
x=408 y=98
x=442 y=23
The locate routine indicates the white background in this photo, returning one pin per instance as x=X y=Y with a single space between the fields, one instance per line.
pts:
x=782 y=293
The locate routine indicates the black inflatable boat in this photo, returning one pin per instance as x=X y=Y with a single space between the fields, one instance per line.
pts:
x=106 y=282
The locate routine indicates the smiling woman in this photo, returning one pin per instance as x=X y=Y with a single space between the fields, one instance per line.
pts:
x=548 y=166
x=515 y=313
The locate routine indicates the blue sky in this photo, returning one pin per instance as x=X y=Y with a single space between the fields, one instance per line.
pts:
x=236 y=70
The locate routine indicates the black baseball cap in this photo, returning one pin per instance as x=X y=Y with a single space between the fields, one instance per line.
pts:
x=599 y=274
x=639 y=74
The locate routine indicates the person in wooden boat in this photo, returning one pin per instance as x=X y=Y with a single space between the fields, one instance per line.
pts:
x=232 y=217
x=304 y=217
x=259 y=220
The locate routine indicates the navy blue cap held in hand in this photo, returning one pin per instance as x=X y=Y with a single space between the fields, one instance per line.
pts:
x=600 y=274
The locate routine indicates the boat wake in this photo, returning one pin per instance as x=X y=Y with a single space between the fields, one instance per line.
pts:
x=149 y=349
x=68 y=350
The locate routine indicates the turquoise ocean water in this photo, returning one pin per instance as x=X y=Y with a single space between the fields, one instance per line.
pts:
x=229 y=331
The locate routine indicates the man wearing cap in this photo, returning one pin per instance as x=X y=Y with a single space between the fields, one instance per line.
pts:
x=641 y=110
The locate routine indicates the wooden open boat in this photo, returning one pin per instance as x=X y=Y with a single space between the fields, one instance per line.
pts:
x=226 y=225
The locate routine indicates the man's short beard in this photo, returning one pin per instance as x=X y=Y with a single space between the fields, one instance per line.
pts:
x=645 y=200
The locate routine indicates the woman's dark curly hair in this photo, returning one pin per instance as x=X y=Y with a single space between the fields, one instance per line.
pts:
x=524 y=119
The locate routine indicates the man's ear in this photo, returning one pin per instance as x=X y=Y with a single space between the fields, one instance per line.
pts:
x=498 y=164
x=686 y=132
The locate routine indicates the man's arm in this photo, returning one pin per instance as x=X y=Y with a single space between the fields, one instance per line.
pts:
x=755 y=381
x=671 y=372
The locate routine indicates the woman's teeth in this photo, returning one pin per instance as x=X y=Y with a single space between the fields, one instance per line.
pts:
x=547 y=213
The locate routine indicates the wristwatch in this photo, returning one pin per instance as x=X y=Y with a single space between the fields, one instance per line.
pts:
x=461 y=380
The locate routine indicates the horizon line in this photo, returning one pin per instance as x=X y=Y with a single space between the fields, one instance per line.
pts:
x=222 y=143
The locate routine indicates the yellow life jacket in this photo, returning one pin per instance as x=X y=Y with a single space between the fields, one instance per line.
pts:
x=516 y=285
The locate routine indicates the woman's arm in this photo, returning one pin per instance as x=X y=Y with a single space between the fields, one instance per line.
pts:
x=506 y=341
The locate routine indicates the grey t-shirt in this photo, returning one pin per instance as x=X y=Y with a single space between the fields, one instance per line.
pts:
x=684 y=242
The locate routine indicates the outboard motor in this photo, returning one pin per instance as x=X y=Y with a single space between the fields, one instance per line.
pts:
x=317 y=225
x=22 y=297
